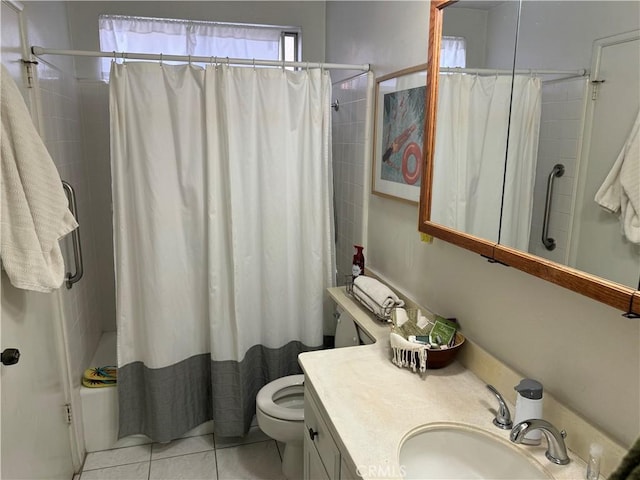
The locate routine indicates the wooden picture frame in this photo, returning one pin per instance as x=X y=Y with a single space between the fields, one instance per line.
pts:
x=398 y=140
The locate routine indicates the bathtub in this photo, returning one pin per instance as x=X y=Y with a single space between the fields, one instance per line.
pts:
x=100 y=407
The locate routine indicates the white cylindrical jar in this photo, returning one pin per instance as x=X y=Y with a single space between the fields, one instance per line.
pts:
x=529 y=406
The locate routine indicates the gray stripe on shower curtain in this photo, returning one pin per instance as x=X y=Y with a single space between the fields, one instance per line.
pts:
x=181 y=394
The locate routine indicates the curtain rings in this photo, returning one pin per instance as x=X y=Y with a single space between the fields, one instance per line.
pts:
x=228 y=64
x=114 y=56
x=124 y=58
x=160 y=58
x=254 y=63
x=189 y=60
x=307 y=67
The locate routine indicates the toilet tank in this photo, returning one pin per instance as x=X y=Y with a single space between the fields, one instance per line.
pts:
x=348 y=333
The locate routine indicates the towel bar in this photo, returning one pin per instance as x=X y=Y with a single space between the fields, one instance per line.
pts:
x=72 y=278
x=558 y=171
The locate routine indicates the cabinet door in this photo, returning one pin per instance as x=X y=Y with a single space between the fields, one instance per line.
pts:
x=313 y=468
x=317 y=432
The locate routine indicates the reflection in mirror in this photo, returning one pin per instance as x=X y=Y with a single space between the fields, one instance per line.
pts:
x=474 y=93
x=613 y=293
x=589 y=125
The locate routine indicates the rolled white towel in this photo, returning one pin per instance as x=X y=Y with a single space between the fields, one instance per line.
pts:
x=376 y=295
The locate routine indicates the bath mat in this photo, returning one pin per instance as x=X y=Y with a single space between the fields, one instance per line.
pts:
x=109 y=373
x=98 y=383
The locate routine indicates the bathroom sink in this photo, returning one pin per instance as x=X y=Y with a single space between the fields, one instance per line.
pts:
x=451 y=451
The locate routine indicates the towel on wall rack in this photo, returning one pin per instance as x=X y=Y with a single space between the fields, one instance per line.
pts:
x=620 y=191
x=35 y=212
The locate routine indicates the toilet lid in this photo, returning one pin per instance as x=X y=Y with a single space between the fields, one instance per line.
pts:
x=265 y=402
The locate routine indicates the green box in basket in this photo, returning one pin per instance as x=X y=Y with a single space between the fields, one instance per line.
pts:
x=444 y=329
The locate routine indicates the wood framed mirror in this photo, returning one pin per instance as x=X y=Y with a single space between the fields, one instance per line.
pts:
x=623 y=297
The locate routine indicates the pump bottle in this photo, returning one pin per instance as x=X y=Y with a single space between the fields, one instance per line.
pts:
x=357 y=267
x=528 y=406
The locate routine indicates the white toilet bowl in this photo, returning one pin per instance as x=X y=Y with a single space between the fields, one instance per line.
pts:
x=280 y=414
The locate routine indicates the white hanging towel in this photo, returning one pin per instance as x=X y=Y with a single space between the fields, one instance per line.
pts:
x=35 y=213
x=621 y=189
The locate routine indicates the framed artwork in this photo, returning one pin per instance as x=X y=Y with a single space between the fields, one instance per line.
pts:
x=399 y=134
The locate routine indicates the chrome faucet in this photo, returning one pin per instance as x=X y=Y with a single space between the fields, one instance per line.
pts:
x=556 y=451
x=503 y=416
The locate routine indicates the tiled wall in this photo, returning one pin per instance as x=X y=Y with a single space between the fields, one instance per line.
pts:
x=61 y=130
x=560 y=135
x=94 y=107
x=351 y=141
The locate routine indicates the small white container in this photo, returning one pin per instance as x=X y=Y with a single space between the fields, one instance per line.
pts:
x=529 y=406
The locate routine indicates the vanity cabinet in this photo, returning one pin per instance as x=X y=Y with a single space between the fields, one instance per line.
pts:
x=322 y=458
x=313 y=467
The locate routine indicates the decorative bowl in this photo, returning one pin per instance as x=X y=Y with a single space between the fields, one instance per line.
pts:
x=436 y=358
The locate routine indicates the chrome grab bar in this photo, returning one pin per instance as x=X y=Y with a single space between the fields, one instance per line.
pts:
x=72 y=278
x=558 y=171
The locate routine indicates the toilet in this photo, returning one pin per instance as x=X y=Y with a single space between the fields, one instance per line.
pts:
x=280 y=414
x=280 y=404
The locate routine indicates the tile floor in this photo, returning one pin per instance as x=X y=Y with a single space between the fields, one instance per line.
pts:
x=254 y=456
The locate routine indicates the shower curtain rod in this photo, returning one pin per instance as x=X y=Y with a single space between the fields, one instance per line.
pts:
x=199 y=59
x=489 y=71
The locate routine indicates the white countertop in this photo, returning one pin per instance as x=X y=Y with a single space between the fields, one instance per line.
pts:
x=371 y=405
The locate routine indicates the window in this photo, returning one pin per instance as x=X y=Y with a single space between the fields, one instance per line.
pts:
x=453 y=52
x=289 y=47
x=198 y=38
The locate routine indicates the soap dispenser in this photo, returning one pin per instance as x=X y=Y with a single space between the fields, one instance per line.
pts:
x=529 y=406
x=358 y=262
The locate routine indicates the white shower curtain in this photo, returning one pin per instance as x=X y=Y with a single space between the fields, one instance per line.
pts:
x=223 y=237
x=522 y=158
x=471 y=136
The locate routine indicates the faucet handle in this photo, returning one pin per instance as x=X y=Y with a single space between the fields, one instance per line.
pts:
x=503 y=416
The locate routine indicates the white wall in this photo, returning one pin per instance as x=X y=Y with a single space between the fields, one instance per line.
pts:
x=582 y=351
x=501 y=35
x=47 y=25
x=541 y=46
x=395 y=33
x=470 y=23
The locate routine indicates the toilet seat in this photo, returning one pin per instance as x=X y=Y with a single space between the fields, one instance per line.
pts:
x=265 y=402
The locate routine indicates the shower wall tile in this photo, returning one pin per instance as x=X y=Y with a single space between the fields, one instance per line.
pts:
x=94 y=103
x=560 y=136
x=349 y=140
x=61 y=126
